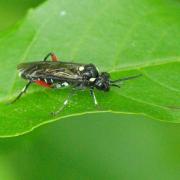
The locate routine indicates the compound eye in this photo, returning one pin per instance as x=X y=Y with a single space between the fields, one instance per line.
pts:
x=106 y=87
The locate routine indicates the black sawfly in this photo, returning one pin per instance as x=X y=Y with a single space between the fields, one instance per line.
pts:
x=58 y=74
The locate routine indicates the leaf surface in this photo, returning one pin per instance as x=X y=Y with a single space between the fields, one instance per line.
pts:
x=122 y=37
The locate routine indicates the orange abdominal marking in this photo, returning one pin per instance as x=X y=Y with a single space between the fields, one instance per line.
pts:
x=42 y=83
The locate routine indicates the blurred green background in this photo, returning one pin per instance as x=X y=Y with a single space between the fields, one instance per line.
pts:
x=13 y=10
x=93 y=146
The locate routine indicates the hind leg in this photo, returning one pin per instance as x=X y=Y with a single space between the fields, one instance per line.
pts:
x=66 y=102
x=53 y=57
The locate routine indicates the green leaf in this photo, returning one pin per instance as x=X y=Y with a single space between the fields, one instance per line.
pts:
x=122 y=37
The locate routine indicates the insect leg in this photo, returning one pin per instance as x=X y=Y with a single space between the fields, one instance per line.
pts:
x=22 y=92
x=65 y=103
x=94 y=97
x=53 y=57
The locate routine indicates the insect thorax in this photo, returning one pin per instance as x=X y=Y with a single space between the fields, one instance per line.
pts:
x=90 y=72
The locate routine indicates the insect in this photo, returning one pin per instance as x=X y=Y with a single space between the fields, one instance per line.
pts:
x=57 y=74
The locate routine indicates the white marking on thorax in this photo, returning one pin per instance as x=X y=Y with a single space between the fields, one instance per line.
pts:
x=51 y=81
x=92 y=79
x=45 y=80
x=81 y=68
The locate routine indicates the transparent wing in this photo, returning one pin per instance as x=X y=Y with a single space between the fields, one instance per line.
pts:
x=51 y=70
